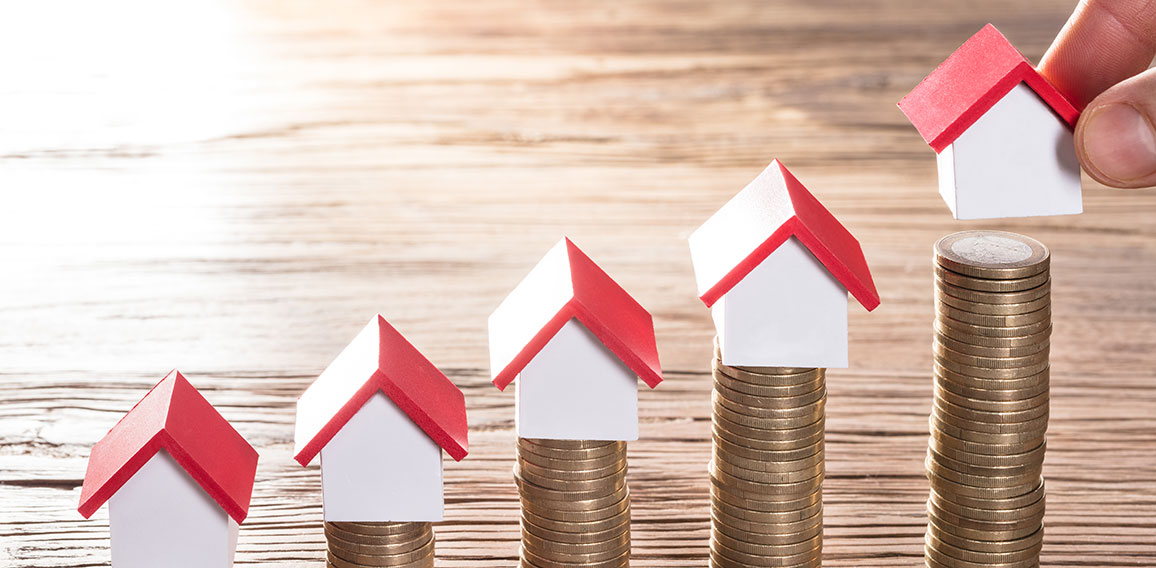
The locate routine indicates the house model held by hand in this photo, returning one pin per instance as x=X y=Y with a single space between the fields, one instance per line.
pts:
x=380 y=416
x=177 y=478
x=1002 y=131
x=577 y=343
x=775 y=267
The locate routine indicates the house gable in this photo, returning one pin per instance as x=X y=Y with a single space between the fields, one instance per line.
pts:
x=162 y=517
x=787 y=312
x=576 y=389
x=381 y=466
x=1017 y=160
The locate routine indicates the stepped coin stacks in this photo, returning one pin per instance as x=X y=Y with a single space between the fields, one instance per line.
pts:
x=575 y=504
x=990 y=414
x=354 y=545
x=767 y=467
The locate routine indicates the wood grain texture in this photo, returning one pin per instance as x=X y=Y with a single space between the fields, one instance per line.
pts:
x=234 y=189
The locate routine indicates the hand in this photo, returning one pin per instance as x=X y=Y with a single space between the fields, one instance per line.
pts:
x=1100 y=60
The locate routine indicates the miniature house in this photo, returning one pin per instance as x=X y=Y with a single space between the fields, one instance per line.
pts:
x=177 y=478
x=577 y=344
x=380 y=416
x=1002 y=131
x=775 y=267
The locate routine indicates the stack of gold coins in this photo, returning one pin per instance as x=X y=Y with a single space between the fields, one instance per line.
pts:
x=990 y=414
x=356 y=545
x=767 y=467
x=575 y=503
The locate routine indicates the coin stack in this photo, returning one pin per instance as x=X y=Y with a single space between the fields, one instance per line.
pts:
x=575 y=503
x=356 y=545
x=990 y=414
x=767 y=467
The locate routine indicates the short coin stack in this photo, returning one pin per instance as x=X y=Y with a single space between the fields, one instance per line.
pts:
x=767 y=467
x=357 y=545
x=990 y=414
x=575 y=503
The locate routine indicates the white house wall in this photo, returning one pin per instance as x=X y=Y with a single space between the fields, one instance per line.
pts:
x=161 y=517
x=788 y=312
x=1017 y=160
x=576 y=389
x=381 y=467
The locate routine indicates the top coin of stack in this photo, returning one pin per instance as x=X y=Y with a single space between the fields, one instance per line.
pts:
x=575 y=503
x=357 y=545
x=990 y=413
x=767 y=468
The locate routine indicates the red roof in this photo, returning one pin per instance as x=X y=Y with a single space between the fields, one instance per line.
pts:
x=174 y=417
x=567 y=284
x=753 y=224
x=970 y=82
x=381 y=359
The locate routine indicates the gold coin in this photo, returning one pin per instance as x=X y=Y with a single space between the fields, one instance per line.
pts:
x=764 y=508
x=789 y=412
x=990 y=395
x=572 y=490
x=993 y=309
x=946 y=353
x=993 y=349
x=951 y=557
x=616 y=460
x=1021 y=499
x=772 y=439
x=719 y=561
x=609 y=548
x=1026 y=525
x=978 y=557
x=1033 y=540
x=755 y=490
x=736 y=541
x=1008 y=438
x=746 y=513
x=355 y=560
x=541 y=448
x=1001 y=406
x=993 y=255
x=581 y=535
x=592 y=560
x=571 y=445
x=1006 y=297
x=1023 y=478
x=1017 y=455
x=769 y=402
x=599 y=521
x=553 y=504
x=1015 y=333
x=996 y=383
x=972 y=422
x=947 y=277
x=987 y=470
x=943 y=439
x=785 y=457
x=986 y=372
x=991 y=421
x=760 y=476
x=382 y=546
x=404 y=530
x=1033 y=510
x=768 y=423
x=965 y=335
x=941 y=526
x=765 y=533
x=1020 y=320
x=753 y=377
x=766 y=558
x=363 y=539
x=538 y=470
x=771 y=391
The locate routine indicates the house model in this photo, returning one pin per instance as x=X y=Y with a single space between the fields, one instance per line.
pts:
x=577 y=344
x=177 y=478
x=775 y=267
x=1002 y=131
x=380 y=416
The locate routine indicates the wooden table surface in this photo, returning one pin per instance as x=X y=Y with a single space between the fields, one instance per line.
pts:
x=235 y=189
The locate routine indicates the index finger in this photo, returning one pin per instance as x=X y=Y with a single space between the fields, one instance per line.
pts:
x=1103 y=43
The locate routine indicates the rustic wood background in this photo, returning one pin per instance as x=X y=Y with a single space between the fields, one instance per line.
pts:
x=235 y=189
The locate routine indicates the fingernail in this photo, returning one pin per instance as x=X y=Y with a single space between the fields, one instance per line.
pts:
x=1120 y=143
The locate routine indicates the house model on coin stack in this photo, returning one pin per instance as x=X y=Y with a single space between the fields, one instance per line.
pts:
x=775 y=267
x=178 y=479
x=1002 y=131
x=380 y=416
x=577 y=344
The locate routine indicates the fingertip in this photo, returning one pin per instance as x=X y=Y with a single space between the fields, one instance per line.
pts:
x=1116 y=144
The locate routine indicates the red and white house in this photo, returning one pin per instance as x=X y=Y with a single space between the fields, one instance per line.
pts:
x=177 y=478
x=380 y=416
x=1003 y=133
x=577 y=344
x=775 y=267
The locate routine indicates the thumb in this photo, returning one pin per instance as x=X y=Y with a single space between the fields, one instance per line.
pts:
x=1116 y=136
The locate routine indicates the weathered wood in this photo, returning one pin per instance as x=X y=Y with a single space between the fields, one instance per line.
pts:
x=235 y=190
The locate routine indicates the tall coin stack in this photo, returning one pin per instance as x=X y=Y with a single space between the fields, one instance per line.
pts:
x=575 y=503
x=990 y=414
x=767 y=467
x=357 y=545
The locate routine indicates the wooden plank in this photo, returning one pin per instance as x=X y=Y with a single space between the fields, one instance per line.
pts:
x=235 y=190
